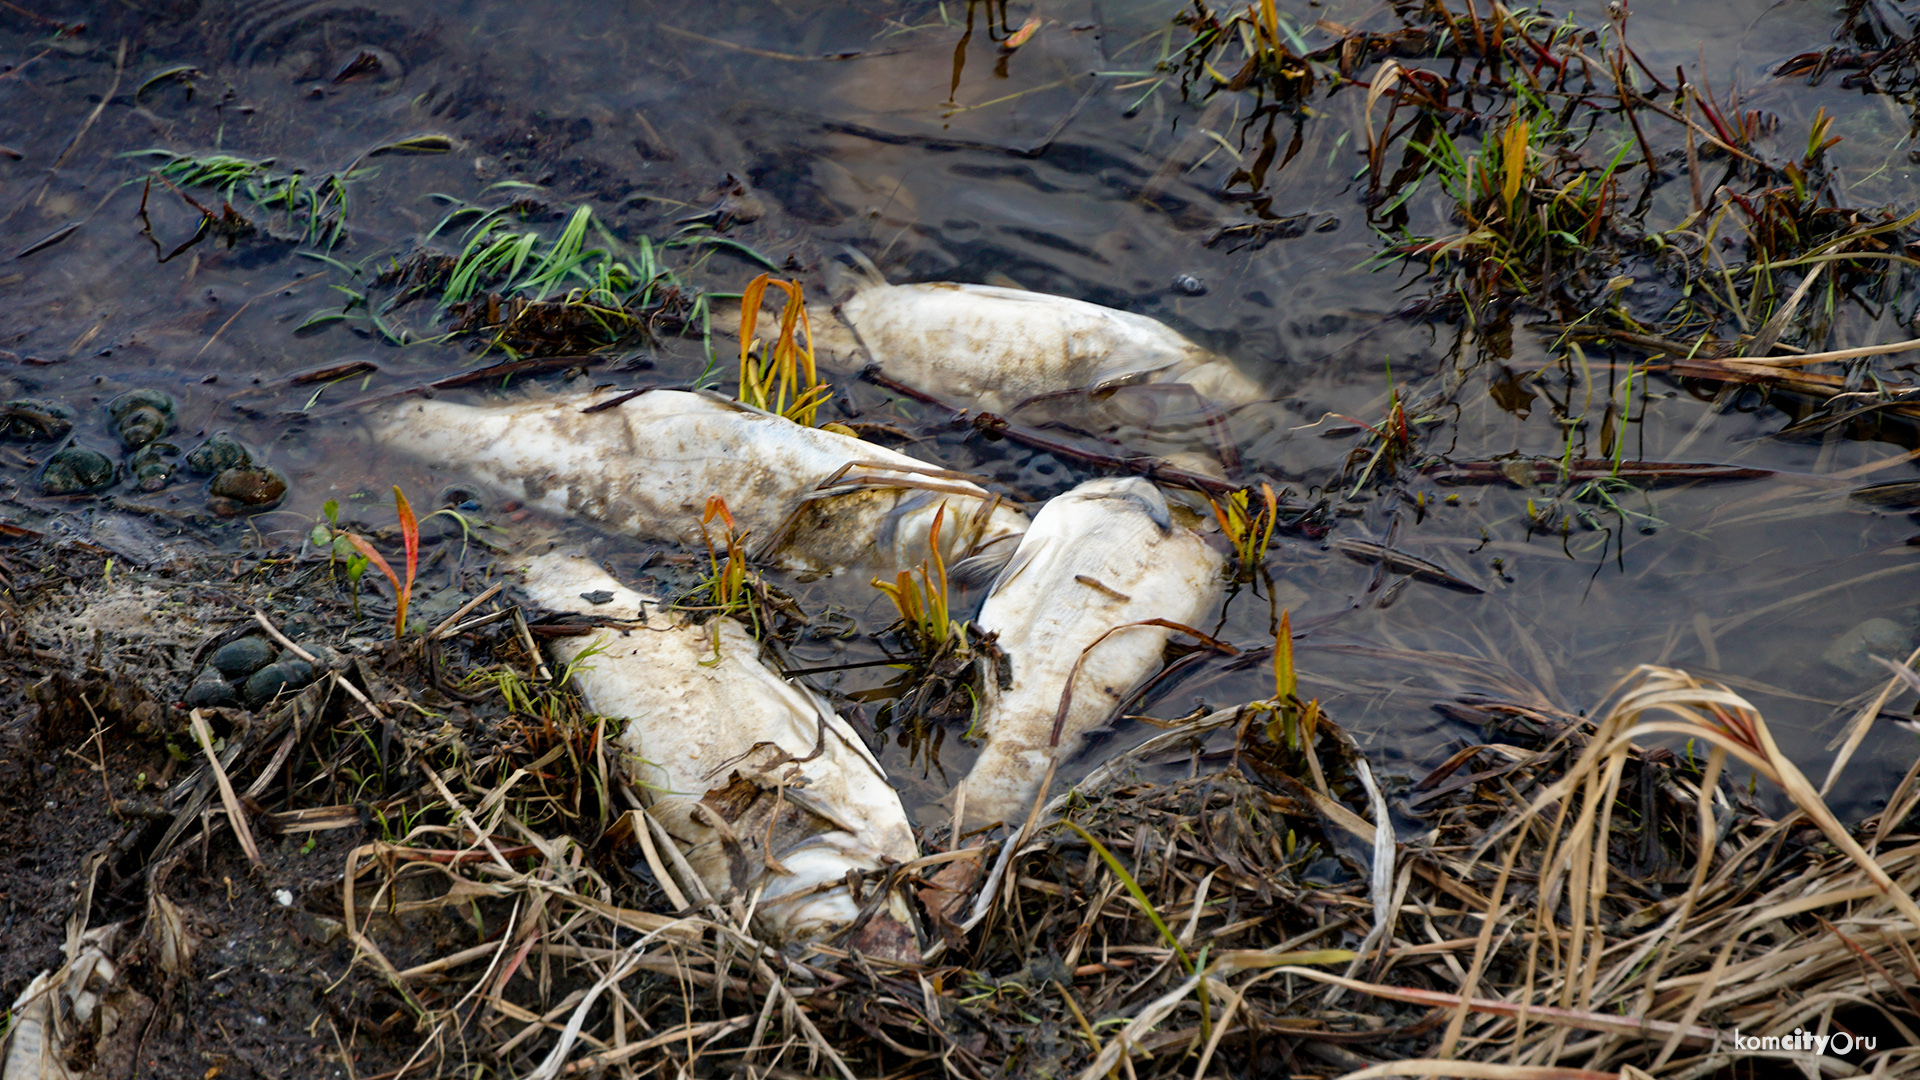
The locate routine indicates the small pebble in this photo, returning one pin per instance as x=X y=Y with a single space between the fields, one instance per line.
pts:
x=219 y=453
x=151 y=465
x=210 y=689
x=283 y=897
x=238 y=490
x=287 y=673
x=1189 y=285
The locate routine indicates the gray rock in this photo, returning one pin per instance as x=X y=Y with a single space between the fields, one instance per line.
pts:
x=1853 y=651
x=239 y=659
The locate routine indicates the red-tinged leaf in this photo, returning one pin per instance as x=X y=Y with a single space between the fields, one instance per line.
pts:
x=409 y=534
x=373 y=556
x=1022 y=35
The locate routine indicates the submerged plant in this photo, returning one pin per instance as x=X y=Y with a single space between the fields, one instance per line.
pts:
x=315 y=206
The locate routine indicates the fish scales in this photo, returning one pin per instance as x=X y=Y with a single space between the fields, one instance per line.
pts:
x=647 y=466
x=1104 y=555
x=994 y=348
x=760 y=783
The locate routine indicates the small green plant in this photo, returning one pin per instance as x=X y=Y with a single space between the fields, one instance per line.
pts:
x=783 y=377
x=920 y=595
x=410 y=537
x=1293 y=722
x=340 y=550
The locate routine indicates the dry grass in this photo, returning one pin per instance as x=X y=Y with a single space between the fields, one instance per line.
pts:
x=1584 y=897
x=1577 y=909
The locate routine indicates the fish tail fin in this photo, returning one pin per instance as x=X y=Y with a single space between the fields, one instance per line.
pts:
x=849 y=272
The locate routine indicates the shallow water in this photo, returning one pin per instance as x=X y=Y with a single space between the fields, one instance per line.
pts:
x=1061 y=168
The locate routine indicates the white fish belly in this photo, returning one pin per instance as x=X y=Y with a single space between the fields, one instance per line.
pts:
x=648 y=465
x=1100 y=557
x=761 y=784
x=990 y=348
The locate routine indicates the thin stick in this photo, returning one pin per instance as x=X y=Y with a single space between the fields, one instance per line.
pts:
x=448 y=624
x=235 y=816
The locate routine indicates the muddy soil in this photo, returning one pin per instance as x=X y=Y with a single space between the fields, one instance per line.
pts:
x=97 y=764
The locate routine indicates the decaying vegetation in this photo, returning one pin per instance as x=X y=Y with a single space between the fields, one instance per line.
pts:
x=1568 y=894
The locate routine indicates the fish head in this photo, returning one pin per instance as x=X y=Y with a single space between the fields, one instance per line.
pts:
x=978 y=533
x=1137 y=494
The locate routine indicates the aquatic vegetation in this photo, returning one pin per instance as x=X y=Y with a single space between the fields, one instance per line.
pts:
x=315 y=208
x=783 y=379
x=920 y=596
x=1248 y=526
x=528 y=289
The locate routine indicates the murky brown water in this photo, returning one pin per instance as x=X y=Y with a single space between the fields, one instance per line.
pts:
x=1066 y=168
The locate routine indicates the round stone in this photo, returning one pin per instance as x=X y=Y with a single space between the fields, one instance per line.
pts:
x=219 y=453
x=285 y=674
x=235 y=491
x=76 y=469
x=34 y=420
x=239 y=659
x=141 y=416
x=152 y=465
x=210 y=690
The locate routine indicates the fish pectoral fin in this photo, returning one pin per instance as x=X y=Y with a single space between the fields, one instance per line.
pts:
x=1030 y=549
x=1123 y=368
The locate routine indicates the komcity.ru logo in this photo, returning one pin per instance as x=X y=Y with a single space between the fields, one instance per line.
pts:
x=1843 y=1044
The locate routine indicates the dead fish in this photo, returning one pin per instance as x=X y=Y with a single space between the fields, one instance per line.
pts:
x=762 y=786
x=992 y=349
x=1098 y=561
x=645 y=464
